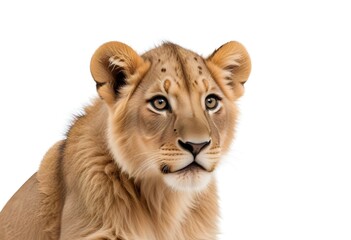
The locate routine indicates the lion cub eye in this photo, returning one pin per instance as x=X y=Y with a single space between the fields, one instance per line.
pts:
x=160 y=103
x=212 y=102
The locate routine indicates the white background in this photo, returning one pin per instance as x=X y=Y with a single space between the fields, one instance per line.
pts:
x=288 y=175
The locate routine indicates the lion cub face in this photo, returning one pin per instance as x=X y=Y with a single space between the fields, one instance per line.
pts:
x=171 y=112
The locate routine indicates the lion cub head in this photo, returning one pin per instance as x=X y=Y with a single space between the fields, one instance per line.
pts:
x=172 y=112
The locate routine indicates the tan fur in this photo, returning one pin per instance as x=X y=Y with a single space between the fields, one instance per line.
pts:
x=118 y=174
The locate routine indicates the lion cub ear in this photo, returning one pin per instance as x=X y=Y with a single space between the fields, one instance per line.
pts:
x=230 y=65
x=113 y=66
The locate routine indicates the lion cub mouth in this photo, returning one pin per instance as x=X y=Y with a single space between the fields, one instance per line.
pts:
x=193 y=166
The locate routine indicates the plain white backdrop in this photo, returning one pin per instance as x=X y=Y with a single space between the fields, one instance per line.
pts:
x=288 y=174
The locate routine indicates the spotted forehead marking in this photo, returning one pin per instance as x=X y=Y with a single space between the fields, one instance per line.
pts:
x=187 y=68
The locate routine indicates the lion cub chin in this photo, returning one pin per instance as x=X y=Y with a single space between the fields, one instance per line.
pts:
x=140 y=163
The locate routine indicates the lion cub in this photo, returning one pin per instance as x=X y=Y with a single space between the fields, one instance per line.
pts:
x=139 y=164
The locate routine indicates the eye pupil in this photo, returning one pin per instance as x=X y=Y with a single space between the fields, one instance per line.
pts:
x=160 y=103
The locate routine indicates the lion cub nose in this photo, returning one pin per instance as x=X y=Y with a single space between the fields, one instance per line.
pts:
x=194 y=148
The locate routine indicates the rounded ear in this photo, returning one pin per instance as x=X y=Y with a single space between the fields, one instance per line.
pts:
x=230 y=65
x=113 y=66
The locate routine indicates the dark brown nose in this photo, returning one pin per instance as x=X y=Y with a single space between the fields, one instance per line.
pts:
x=194 y=148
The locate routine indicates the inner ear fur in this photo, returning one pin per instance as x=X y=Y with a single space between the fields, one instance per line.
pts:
x=230 y=65
x=114 y=65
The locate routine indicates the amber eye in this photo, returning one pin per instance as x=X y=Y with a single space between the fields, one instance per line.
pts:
x=160 y=103
x=212 y=102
